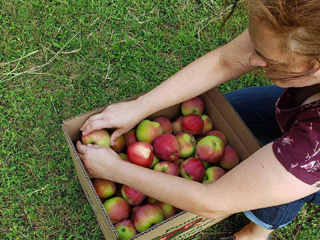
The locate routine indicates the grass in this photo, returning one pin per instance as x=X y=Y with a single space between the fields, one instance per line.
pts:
x=61 y=58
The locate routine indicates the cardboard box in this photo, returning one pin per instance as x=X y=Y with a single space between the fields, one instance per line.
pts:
x=184 y=224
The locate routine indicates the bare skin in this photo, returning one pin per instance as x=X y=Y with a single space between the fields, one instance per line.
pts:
x=259 y=181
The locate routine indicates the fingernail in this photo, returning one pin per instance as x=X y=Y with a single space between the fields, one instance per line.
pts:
x=89 y=145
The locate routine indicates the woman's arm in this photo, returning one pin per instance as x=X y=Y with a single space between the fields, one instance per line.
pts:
x=259 y=181
x=214 y=68
x=210 y=70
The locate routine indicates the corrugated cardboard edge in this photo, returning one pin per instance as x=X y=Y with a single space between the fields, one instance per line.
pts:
x=93 y=199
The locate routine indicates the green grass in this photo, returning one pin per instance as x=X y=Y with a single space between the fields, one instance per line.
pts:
x=61 y=58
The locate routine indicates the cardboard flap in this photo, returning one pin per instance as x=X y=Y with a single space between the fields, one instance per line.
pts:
x=228 y=121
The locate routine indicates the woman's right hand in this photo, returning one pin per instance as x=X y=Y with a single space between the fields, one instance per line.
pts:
x=122 y=116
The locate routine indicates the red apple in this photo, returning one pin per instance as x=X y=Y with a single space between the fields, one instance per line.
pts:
x=207 y=124
x=148 y=130
x=230 y=158
x=192 y=169
x=165 y=124
x=210 y=149
x=176 y=126
x=166 y=147
x=141 y=153
x=119 y=144
x=117 y=209
x=219 y=134
x=192 y=123
x=167 y=209
x=99 y=137
x=125 y=229
x=130 y=137
x=194 y=105
x=132 y=196
x=167 y=167
x=104 y=188
x=147 y=216
x=213 y=174
x=187 y=144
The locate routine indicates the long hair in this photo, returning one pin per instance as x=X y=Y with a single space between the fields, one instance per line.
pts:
x=297 y=23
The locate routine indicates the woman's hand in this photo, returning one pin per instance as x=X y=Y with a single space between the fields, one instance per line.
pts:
x=99 y=161
x=122 y=116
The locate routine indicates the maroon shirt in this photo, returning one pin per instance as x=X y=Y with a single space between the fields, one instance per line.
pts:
x=298 y=150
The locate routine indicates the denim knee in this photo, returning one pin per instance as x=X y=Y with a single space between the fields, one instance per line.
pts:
x=279 y=216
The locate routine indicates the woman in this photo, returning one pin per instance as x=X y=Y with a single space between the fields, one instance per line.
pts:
x=272 y=184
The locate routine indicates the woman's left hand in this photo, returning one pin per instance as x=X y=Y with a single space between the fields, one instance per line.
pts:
x=99 y=161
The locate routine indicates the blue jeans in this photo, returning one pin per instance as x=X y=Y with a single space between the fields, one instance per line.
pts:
x=256 y=107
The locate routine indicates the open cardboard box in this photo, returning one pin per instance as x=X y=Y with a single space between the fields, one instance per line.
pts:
x=184 y=224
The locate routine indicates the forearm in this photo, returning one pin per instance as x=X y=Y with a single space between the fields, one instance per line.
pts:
x=179 y=192
x=212 y=69
x=259 y=181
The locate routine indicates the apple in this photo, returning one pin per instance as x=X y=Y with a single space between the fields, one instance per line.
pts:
x=166 y=147
x=219 y=134
x=125 y=229
x=130 y=137
x=192 y=169
x=167 y=167
x=207 y=124
x=147 y=216
x=148 y=130
x=132 y=196
x=117 y=209
x=194 y=105
x=100 y=137
x=141 y=153
x=210 y=149
x=167 y=209
x=192 y=123
x=187 y=144
x=119 y=144
x=213 y=174
x=104 y=188
x=176 y=126
x=155 y=161
x=230 y=158
x=165 y=124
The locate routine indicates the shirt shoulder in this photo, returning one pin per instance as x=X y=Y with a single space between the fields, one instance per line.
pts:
x=298 y=150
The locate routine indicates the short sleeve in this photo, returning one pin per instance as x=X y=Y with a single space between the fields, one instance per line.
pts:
x=298 y=150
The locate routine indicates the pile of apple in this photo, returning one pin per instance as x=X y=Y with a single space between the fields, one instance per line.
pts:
x=188 y=146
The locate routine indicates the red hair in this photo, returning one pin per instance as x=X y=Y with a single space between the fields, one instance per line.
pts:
x=296 y=22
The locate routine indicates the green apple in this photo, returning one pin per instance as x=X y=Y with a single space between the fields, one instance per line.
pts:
x=125 y=229
x=100 y=137
x=213 y=174
x=148 y=130
x=146 y=216
x=210 y=149
x=117 y=209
